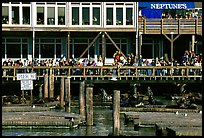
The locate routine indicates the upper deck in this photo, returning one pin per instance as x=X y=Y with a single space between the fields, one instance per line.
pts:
x=145 y=26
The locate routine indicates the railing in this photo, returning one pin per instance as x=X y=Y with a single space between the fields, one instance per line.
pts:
x=167 y=26
x=109 y=72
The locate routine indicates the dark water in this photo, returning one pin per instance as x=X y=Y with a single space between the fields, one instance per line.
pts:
x=103 y=125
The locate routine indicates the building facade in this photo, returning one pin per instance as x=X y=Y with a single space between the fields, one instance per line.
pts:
x=52 y=30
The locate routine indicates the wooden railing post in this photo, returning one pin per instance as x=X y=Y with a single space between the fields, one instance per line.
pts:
x=162 y=26
x=144 y=25
x=196 y=26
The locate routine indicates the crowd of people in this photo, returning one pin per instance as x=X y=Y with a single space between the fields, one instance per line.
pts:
x=189 y=58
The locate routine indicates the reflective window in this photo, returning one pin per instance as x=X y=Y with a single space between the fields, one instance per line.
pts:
x=129 y=16
x=26 y=15
x=119 y=16
x=15 y=15
x=13 y=50
x=85 y=16
x=5 y=15
x=40 y=15
x=75 y=15
x=47 y=50
x=109 y=16
x=96 y=16
x=50 y=15
x=61 y=16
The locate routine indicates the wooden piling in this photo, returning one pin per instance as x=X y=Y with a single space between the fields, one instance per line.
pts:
x=116 y=112
x=82 y=99
x=23 y=97
x=68 y=95
x=31 y=97
x=51 y=88
x=45 y=86
x=62 y=92
x=89 y=105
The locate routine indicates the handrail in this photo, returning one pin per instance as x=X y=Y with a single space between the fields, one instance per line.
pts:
x=170 y=25
x=107 y=71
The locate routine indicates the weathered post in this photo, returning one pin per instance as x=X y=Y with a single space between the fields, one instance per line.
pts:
x=82 y=99
x=51 y=88
x=89 y=105
x=46 y=86
x=116 y=112
x=62 y=92
x=68 y=95
x=31 y=97
x=23 y=97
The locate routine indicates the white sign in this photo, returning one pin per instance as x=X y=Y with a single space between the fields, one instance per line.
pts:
x=26 y=84
x=26 y=76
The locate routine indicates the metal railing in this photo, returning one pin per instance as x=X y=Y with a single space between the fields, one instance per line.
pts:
x=108 y=72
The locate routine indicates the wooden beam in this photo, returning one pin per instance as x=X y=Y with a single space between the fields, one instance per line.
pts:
x=115 y=45
x=90 y=45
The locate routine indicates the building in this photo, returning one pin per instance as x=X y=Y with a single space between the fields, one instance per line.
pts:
x=52 y=30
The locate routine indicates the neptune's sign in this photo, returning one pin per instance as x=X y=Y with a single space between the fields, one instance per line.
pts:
x=168 y=6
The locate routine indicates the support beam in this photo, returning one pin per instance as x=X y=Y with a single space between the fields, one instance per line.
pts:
x=193 y=43
x=68 y=45
x=45 y=86
x=172 y=42
x=140 y=43
x=115 y=45
x=51 y=87
x=68 y=95
x=116 y=112
x=82 y=99
x=103 y=47
x=89 y=105
x=62 y=92
x=89 y=45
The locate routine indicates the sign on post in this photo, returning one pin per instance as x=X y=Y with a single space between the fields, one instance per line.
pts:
x=26 y=84
x=26 y=76
x=26 y=80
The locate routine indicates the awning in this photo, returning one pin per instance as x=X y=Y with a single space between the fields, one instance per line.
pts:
x=166 y=5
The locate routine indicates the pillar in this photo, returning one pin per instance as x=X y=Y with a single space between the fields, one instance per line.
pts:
x=193 y=43
x=45 y=86
x=116 y=112
x=62 y=92
x=89 y=105
x=68 y=95
x=51 y=88
x=82 y=99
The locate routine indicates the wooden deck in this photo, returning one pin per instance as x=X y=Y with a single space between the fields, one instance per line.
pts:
x=145 y=26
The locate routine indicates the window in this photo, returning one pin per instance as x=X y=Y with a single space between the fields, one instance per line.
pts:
x=50 y=15
x=40 y=15
x=109 y=16
x=24 y=50
x=61 y=16
x=5 y=15
x=13 y=50
x=119 y=16
x=96 y=16
x=47 y=50
x=85 y=16
x=26 y=15
x=15 y=15
x=129 y=16
x=75 y=15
